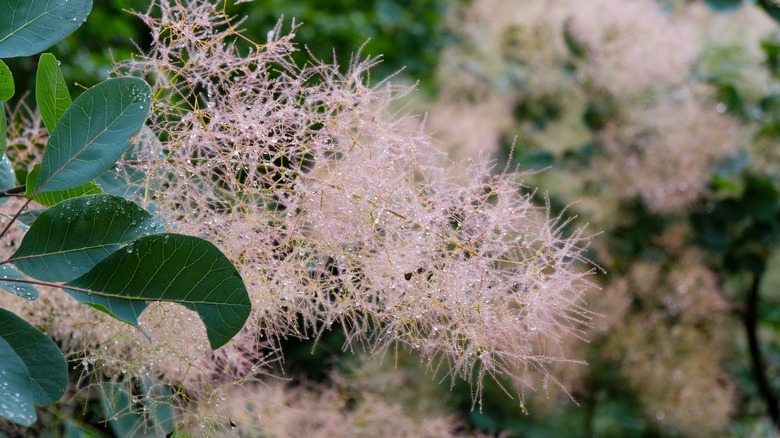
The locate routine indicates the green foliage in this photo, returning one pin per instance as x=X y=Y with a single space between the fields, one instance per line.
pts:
x=24 y=290
x=32 y=372
x=3 y=128
x=7 y=174
x=168 y=267
x=724 y=5
x=771 y=8
x=128 y=414
x=407 y=34
x=51 y=198
x=742 y=226
x=69 y=239
x=28 y=27
x=6 y=82
x=93 y=133
x=51 y=93
x=102 y=249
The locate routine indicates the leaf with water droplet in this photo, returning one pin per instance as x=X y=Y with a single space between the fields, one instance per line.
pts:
x=70 y=238
x=92 y=134
x=33 y=370
x=32 y=26
x=51 y=198
x=16 y=402
x=170 y=267
x=7 y=175
x=51 y=92
x=24 y=290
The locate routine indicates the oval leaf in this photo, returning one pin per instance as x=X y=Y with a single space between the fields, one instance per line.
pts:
x=7 y=176
x=93 y=133
x=7 y=88
x=67 y=240
x=28 y=27
x=24 y=290
x=177 y=268
x=3 y=128
x=16 y=402
x=45 y=362
x=51 y=198
x=51 y=93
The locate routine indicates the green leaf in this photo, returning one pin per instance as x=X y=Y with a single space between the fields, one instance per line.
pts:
x=51 y=198
x=129 y=181
x=7 y=176
x=16 y=402
x=28 y=27
x=7 y=88
x=93 y=133
x=171 y=267
x=24 y=290
x=119 y=409
x=724 y=5
x=122 y=409
x=771 y=8
x=67 y=240
x=44 y=361
x=124 y=310
x=3 y=128
x=51 y=93
x=26 y=219
x=158 y=402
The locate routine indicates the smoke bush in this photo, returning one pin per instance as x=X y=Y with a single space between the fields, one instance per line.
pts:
x=335 y=211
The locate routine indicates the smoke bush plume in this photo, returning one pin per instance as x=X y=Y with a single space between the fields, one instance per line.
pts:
x=335 y=213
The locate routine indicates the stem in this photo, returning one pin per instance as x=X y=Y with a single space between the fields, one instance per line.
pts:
x=750 y=319
x=16 y=216
x=37 y=282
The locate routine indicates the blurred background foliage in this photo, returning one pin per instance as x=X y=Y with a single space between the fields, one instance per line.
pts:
x=658 y=123
x=408 y=35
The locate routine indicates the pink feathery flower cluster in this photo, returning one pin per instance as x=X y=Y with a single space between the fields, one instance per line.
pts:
x=335 y=212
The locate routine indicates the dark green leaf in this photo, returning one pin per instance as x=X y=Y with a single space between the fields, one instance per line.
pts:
x=68 y=239
x=7 y=176
x=93 y=133
x=74 y=428
x=760 y=199
x=157 y=401
x=124 y=310
x=576 y=46
x=44 y=361
x=26 y=219
x=127 y=181
x=51 y=198
x=51 y=93
x=735 y=105
x=3 y=128
x=176 y=268
x=28 y=27
x=119 y=409
x=16 y=402
x=771 y=8
x=7 y=88
x=724 y=5
x=24 y=290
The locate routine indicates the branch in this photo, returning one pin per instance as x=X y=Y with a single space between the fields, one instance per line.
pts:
x=750 y=319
